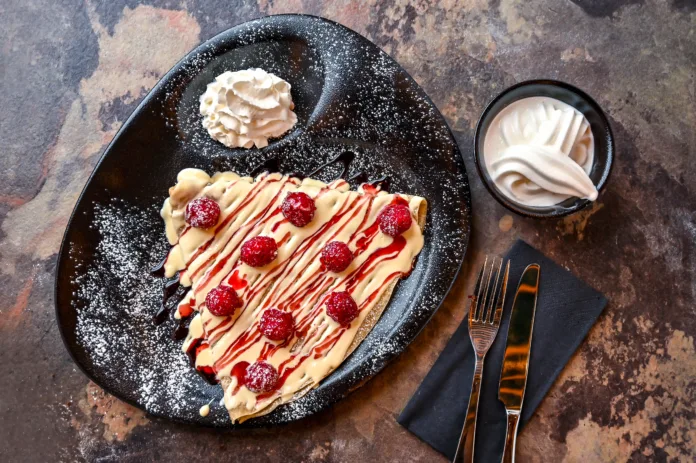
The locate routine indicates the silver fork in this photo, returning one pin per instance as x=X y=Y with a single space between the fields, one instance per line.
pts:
x=485 y=311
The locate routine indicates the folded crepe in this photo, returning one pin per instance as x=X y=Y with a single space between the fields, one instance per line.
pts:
x=296 y=281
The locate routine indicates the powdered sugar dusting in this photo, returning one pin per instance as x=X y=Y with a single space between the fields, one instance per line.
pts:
x=115 y=300
x=347 y=97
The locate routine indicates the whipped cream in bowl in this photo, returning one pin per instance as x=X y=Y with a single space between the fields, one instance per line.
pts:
x=544 y=149
x=243 y=109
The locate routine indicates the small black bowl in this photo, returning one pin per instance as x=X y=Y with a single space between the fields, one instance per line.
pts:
x=603 y=142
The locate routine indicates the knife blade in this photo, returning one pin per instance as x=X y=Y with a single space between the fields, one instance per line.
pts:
x=513 y=375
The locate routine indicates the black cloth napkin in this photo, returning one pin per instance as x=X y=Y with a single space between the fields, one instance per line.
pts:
x=566 y=310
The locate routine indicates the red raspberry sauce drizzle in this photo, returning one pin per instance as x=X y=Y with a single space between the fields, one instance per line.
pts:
x=301 y=294
x=312 y=292
x=260 y=285
x=238 y=346
x=208 y=373
x=238 y=372
x=257 y=221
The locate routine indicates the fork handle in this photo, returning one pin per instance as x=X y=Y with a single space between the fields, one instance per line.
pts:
x=465 y=448
x=513 y=421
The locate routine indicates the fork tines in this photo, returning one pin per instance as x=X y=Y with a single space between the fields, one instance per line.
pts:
x=485 y=312
x=489 y=293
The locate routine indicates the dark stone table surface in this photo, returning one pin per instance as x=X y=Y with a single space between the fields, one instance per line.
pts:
x=71 y=71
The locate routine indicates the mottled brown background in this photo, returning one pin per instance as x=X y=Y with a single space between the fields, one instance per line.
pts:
x=71 y=71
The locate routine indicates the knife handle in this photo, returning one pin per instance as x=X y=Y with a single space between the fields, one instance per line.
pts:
x=513 y=421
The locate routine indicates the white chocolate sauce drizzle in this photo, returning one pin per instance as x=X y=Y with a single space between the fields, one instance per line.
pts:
x=296 y=281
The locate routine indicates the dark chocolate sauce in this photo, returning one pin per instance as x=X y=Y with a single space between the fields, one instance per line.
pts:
x=170 y=299
x=345 y=158
x=359 y=178
x=170 y=289
x=182 y=329
x=158 y=270
x=269 y=165
x=161 y=315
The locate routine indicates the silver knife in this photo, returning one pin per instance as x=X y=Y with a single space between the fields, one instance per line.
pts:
x=513 y=376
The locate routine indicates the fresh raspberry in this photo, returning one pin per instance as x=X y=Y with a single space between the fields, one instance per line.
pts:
x=298 y=208
x=276 y=325
x=261 y=377
x=394 y=219
x=202 y=213
x=259 y=251
x=341 y=307
x=336 y=256
x=222 y=301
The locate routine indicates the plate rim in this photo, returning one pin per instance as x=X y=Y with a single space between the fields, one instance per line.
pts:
x=387 y=359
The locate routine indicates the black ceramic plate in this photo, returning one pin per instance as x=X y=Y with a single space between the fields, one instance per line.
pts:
x=349 y=95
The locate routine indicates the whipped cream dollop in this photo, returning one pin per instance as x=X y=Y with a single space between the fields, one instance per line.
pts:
x=539 y=152
x=246 y=108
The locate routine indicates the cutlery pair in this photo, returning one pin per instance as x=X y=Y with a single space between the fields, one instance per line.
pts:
x=485 y=313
